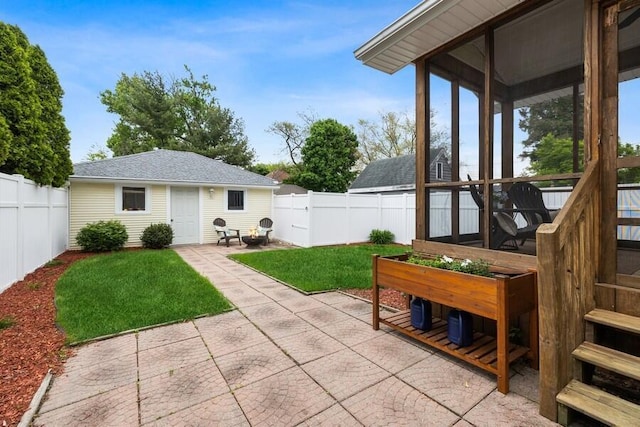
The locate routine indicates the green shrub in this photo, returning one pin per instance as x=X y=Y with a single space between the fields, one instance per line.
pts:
x=381 y=237
x=157 y=236
x=102 y=236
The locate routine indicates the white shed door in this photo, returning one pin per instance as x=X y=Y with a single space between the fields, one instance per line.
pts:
x=184 y=215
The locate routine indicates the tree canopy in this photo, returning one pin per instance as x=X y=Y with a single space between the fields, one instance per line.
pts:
x=549 y=145
x=394 y=135
x=294 y=135
x=328 y=155
x=34 y=140
x=553 y=117
x=178 y=114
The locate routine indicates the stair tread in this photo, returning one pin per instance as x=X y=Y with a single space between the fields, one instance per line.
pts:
x=599 y=405
x=615 y=320
x=608 y=358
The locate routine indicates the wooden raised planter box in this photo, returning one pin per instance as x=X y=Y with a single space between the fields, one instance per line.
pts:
x=496 y=298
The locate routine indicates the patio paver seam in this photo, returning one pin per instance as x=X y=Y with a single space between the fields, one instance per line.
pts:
x=138 y=380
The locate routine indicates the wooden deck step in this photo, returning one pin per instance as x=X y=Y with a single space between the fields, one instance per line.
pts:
x=624 y=322
x=608 y=358
x=597 y=404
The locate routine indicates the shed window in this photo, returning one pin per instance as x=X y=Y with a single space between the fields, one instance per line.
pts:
x=133 y=198
x=235 y=200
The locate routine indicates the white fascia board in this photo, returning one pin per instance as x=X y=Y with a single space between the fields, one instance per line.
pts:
x=416 y=17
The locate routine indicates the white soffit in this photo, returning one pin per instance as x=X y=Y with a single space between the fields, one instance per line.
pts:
x=430 y=24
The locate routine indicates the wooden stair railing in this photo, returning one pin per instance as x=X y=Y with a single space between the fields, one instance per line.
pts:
x=566 y=250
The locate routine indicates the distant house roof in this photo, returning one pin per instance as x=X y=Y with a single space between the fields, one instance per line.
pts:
x=290 y=189
x=278 y=175
x=392 y=174
x=169 y=166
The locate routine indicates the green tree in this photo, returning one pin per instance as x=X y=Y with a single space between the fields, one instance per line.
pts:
x=628 y=175
x=96 y=152
x=294 y=135
x=181 y=114
x=55 y=130
x=553 y=117
x=266 y=168
x=553 y=155
x=34 y=138
x=329 y=155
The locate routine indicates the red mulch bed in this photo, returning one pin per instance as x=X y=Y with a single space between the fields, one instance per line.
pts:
x=388 y=297
x=33 y=344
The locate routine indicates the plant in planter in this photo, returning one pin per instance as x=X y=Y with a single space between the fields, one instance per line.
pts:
x=479 y=267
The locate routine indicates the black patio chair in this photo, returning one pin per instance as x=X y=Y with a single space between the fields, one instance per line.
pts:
x=503 y=227
x=225 y=233
x=264 y=228
x=528 y=199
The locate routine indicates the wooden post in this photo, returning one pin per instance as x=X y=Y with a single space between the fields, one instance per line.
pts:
x=609 y=146
x=575 y=134
x=502 y=335
x=507 y=142
x=422 y=143
x=375 y=297
x=534 y=345
x=487 y=137
x=553 y=376
x=455 y=160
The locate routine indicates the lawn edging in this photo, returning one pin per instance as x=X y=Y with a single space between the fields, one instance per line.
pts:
x=145 y=328
x=27 y=417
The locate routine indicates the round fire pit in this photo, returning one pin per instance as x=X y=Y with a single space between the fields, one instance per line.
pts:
x=253 y=241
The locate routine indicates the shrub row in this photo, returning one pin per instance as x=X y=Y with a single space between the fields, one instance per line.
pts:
x=103 y=236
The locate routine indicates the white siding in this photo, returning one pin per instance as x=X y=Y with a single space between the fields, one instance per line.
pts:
x=258 y=205
x=97 y=202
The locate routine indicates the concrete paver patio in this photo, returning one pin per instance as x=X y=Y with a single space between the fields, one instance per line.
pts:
x=281 y=358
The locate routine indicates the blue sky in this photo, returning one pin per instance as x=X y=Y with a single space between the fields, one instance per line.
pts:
x=268 y=60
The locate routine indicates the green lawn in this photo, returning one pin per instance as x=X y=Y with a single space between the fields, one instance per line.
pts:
x=115 y=292
x=321 y=268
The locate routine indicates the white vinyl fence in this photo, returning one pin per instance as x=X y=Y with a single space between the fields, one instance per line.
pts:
x=33 y=226
x=316 y=219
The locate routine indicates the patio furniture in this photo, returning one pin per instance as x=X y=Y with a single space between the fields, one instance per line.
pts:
x=503 y=228
x=264 y=229
x=528 y=199
x=253 y=242
x=225 y=233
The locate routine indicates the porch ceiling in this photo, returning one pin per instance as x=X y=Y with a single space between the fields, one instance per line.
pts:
x=538 y=56
x=427 y=26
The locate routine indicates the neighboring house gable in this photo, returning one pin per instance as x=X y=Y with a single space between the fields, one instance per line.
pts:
x=180 y=188
x=398 y=174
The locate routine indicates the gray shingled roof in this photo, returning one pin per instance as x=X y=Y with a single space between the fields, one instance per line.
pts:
x=169 y=166
x=391 y=172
